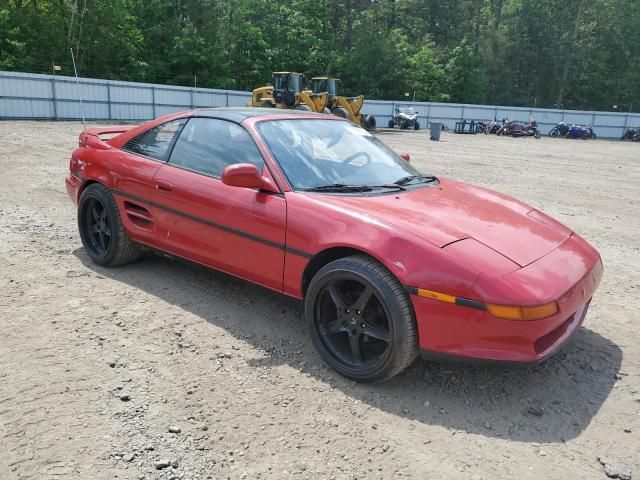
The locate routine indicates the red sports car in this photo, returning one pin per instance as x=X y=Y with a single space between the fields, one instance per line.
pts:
x=390 y=262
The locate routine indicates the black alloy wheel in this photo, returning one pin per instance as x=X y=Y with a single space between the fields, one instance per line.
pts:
x=98 y=227
x=352 y=322
x=360 y=319
x=101 y=231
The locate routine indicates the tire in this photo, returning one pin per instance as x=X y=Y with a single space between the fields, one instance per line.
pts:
x=368 y=122
x=340 y=112
x=391 y=124
x=554 y=132
x=536 y=134
x=387 y=314
x=98 y=212
x=303 y=107
x=416 y=126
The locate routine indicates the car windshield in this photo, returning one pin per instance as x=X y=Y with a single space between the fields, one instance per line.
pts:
x=319 y=153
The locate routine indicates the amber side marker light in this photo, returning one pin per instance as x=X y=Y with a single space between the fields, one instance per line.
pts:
x=523 y=313
x=506 y=312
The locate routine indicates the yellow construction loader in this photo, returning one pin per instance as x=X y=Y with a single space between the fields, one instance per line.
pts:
x=288 y=91
x=345 y=107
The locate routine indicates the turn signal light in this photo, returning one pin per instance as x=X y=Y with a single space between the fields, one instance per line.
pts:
x=443 y=297
x=522 y=313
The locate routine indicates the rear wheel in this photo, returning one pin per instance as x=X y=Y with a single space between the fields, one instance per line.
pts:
x=368 y=122
x=554 y=132
x=361 y=320
x=391 y=124
x=101 y=229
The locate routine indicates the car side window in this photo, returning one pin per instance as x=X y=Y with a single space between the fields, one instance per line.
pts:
x=208 y=145
x=155 y=142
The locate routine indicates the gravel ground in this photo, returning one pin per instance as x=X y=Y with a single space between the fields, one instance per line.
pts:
x=163 y=369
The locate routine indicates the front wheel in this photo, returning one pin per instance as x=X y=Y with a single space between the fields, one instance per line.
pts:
x=361 y=320
x=340 y=112
x=416 y=126
x=101 y=230
x=391 y=124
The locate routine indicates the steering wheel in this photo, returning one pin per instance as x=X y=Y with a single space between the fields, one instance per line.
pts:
x=353 y=156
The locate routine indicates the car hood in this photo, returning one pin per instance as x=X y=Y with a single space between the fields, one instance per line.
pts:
x=451 y=211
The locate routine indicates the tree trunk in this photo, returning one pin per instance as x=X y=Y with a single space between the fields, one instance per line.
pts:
x=349 y=34
x=476 y=27
x=497 y=14
x=567 y=63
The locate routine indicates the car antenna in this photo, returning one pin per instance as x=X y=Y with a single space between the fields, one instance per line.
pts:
x=75 y=70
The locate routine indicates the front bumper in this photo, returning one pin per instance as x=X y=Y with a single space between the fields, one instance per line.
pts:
x=450 y=329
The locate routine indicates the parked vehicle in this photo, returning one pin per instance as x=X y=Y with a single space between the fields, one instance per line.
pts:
x=572 y=131
x=632 y=134
x=287 y=91
x=404 y=118
x=339 y=105
x=482 y=125
x=388 y=260
x=560 y=130
x=585 y=133
x=494 y=126
x=514 y=128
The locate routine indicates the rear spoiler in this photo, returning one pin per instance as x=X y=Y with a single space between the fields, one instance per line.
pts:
x=99 y=137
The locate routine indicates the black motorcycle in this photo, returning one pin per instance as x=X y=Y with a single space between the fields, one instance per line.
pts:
x=632 y=134
x=560 y=130
x=493 y=126
x=572 y=131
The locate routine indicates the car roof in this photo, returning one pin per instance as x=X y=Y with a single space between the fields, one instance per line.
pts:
x=239 y=114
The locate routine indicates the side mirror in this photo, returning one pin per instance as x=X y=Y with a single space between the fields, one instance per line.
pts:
x=406 y=156
x=246 y=175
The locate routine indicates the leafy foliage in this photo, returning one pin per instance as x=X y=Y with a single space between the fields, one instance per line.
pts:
x=570 y=54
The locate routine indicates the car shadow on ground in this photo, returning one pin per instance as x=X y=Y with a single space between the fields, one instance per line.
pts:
x=550 y=402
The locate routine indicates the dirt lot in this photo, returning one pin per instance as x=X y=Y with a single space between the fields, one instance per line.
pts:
x=96 y=365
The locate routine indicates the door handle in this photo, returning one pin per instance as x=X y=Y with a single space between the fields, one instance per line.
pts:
x=163 y=186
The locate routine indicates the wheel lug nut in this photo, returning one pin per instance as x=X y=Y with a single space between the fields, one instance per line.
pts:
x=357 y=312
x=362 y=325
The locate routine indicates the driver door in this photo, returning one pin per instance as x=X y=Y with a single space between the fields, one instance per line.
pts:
x=237 y=230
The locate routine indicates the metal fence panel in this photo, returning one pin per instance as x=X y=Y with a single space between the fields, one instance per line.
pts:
x=129 y=95
x=238 y=99
x=634 y=121
x=17 y=108
x=36 y=96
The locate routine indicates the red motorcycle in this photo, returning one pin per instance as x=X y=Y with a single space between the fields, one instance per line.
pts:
x=514 y=128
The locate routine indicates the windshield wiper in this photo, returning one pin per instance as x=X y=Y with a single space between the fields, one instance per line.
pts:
x=411 y=178
x=339 y=187
x=395 y=186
